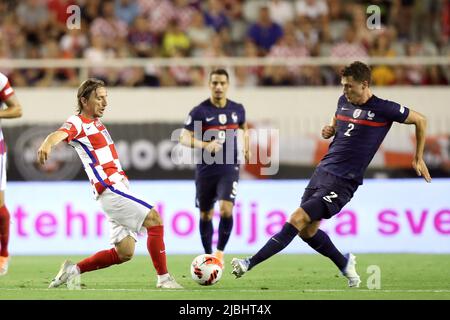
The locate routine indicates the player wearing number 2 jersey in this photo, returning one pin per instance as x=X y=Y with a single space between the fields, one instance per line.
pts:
x=359 y=126
x=126 y=212
x=212 y=126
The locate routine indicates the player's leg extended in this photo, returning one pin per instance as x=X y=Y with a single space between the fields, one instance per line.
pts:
x=157 y=249
x=4 y=234
x=321 y=242
x=206 y=229
x=298 y=220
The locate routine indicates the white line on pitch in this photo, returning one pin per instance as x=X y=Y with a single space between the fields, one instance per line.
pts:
x=240 y=290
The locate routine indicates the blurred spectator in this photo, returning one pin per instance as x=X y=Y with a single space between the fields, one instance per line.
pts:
x=265 y=33
x=316 y=11
x=97 y=53
x=108 y=26
x=381 y=74
x=199 y=34
x=281 y=11
x=73 y=43
x=215 y=16
x=175 y=42
x=142 y=42
x=126 y=10
x=33 y=16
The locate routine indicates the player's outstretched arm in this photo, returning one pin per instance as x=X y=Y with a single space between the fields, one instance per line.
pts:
x=329 y=130
x=46 y=147
x=418 y=163
x=14 y=109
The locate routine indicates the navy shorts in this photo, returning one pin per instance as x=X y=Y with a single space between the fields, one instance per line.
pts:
x=326 y=194
x=209 y=189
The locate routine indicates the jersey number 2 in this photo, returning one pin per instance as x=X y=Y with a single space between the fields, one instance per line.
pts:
x=351 y=126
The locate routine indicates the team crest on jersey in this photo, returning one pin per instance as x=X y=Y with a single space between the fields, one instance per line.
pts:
x=234 y=117
x=222 y=118
x=357 y=113
x=370 y=115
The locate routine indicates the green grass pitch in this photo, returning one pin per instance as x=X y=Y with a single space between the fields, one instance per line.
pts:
x=284 y=276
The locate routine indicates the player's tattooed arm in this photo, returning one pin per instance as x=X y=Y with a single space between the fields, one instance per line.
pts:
x=46 y=147
x=329 y=130
x=418 y=163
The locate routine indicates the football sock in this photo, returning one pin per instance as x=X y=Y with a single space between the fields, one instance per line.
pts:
x=157 y=249
x=100 y=260
x=225 y=226
x=275 y=244
x=321 y=242
x=206 y=233
x=4 y=231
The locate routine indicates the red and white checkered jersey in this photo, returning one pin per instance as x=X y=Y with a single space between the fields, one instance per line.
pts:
x=96 y=149
x=5 y=92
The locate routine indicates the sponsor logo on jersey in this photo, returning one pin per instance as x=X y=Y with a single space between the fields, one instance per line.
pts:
x=234 y=117
x=370 y=115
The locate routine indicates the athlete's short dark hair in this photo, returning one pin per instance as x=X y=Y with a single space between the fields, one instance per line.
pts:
x=358 y=70
x=85 y=90
x=221 y=72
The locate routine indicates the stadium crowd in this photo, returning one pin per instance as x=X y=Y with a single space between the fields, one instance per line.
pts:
x=37 y=29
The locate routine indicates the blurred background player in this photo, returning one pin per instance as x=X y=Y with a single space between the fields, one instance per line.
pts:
x=359 y=126
x=127 y=213
x=13 y=110
x=213 y=126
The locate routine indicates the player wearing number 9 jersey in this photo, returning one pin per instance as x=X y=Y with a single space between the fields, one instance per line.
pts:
x=359 y=126
x=212 y=127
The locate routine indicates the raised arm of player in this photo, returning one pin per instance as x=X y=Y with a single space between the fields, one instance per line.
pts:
x=46 y=147
x=14 y=109
x=187 y=139
x=418 y=163
x=329 y=130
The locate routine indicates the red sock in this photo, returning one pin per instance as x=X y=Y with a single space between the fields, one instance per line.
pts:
x=100 y=260
x=4 y=231
x=157 y=249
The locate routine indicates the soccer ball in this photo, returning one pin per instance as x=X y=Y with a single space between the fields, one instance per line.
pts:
x=206 y=269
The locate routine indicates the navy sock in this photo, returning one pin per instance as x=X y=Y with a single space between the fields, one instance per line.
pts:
x=206 y=233
x=321 y=242
x=225 y=226
x=275 y=244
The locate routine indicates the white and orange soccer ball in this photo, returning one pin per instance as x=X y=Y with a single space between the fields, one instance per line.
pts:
x=206 y=269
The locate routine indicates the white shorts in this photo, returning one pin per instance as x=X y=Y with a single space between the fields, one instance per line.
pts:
x=126 y=212
x=2 y=172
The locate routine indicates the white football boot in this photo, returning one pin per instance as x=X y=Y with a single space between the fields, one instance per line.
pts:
x=240 y=266
x=350 y=271
x=66 y=274
x=167 y=282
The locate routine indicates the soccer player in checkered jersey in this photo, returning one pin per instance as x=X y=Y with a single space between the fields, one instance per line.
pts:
x=12 y=110
x=127 y=213
x=359 y=125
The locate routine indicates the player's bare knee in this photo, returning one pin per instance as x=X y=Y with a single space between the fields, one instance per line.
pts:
x=125 y=256
x=299 y=219
x=226 y=212
x=153 y=219
x=206 y=215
